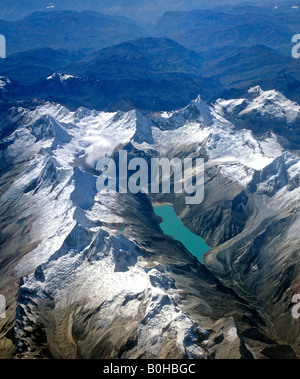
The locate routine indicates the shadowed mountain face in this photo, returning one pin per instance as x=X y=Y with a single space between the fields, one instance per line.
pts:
x=150 y=74
x=111 y=95
x=256 y=65
x=142 y=58
x=145 y=73
x=32 y=66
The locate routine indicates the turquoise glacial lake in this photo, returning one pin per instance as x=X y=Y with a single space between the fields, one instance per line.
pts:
x=173 y=226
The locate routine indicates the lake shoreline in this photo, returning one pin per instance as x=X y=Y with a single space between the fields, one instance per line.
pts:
x=160 y=204
x=172 y=226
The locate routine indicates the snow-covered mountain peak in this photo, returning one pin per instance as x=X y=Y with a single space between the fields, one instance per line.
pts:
x=143 y=127
x=4 y=81
x=61 y=77
x=197 y=111
x=5 y=85
x=263 y=103
x=255 y=91
x=280 y=176
x=48 y=127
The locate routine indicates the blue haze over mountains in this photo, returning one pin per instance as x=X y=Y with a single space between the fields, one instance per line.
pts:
x=204 y=51
x=143 y=11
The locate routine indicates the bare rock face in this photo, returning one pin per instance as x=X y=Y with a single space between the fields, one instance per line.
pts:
x=227 y=341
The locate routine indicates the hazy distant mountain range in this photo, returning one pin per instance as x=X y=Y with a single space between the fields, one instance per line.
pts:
x=241 y=26
x=140 y=10
x=234 y=46
x=67 y=30
x=145 y=73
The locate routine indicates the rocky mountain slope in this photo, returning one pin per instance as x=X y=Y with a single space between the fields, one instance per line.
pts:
x=142 y=74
